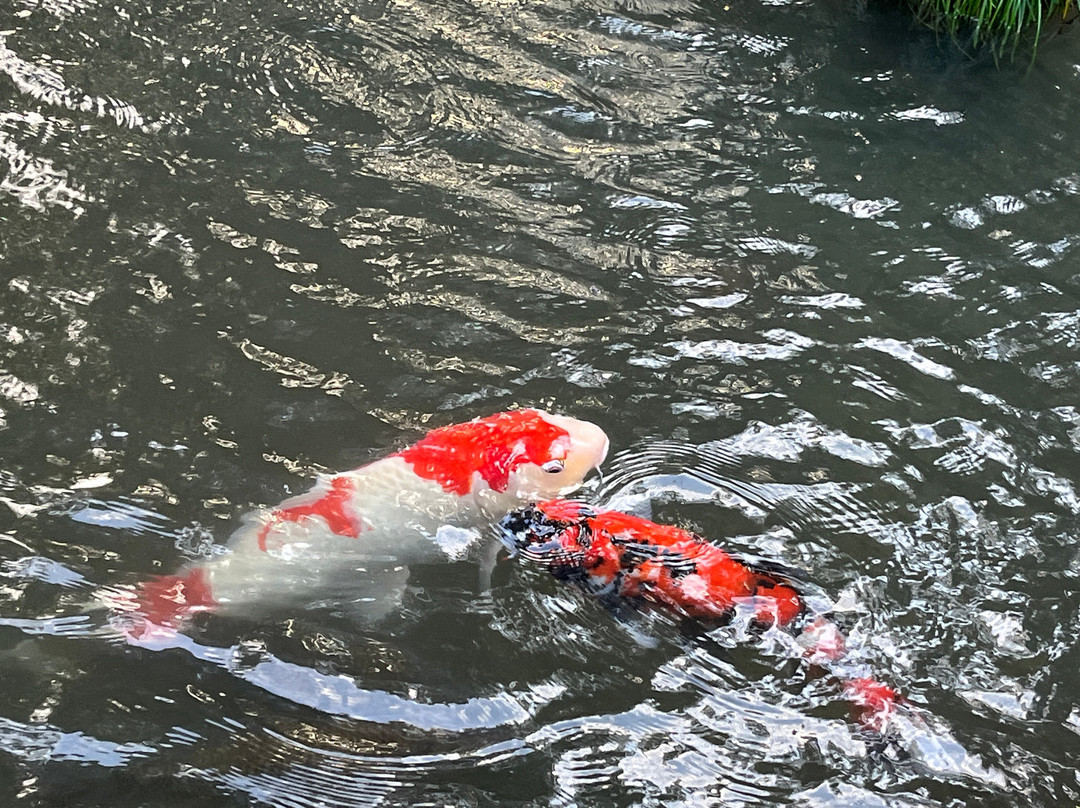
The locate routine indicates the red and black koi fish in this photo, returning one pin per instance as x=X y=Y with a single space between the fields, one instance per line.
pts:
x=613 y=553
x=458 y=474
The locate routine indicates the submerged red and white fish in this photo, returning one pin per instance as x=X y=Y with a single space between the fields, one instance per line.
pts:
x=609 y=553
x=461 y=475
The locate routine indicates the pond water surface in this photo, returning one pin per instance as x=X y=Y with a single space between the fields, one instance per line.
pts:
x=245 y=242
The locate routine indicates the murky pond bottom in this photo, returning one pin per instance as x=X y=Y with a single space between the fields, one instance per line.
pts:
x=814 y=273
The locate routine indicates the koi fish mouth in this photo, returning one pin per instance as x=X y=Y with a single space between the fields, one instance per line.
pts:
x=514 y=529
x=545 y=539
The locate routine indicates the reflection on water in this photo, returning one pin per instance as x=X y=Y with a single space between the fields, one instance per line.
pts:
x=814 y=273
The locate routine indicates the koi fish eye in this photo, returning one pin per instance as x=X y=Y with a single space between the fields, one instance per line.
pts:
x=553 y=466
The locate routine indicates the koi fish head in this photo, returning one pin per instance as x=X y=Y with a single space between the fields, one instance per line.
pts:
x=554 y=534
x=539 y=472
x=524 y=454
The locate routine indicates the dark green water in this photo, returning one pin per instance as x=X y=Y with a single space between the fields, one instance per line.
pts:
x=243 y=242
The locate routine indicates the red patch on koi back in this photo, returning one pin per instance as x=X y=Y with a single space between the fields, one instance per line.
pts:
x=685 y=572
x=779 y=604
x=640 y=530
x=331 y=506
x=601 y=560
x=564 y=510
x=165 y=600
x=727 y=578
x=492 y=447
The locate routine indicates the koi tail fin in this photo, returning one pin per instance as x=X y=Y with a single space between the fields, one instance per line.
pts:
x=875 y=701
x=163 y=603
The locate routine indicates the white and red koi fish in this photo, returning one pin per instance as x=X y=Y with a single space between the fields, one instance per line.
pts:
x=610 y=553
x=392 y=507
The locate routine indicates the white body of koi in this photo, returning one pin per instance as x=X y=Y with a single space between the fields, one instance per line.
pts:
x=386 y=513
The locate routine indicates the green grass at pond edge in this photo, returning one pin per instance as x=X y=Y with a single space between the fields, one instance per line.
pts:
x=1009 y=27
